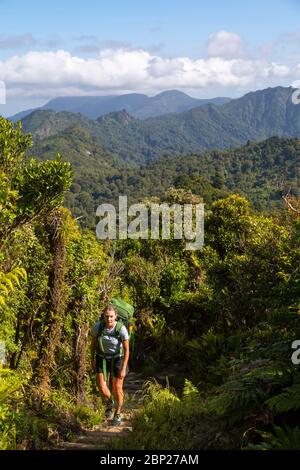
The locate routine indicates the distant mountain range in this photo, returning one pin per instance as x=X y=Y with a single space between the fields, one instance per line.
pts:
x=136 y=104
x=120 y=154
x=255 y=116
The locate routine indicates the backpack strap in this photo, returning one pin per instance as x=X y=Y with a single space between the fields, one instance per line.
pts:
x=118 y=336
x=100 y=348
x=104 y=366
x=118 y=329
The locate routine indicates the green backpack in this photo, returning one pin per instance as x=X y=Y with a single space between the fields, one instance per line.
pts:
x=125 y=313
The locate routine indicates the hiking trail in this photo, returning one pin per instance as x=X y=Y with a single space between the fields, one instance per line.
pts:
x=101 y=436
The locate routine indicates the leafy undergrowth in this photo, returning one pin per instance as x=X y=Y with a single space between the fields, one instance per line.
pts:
x=167 y=422
x=28 y=422
x=246 y=412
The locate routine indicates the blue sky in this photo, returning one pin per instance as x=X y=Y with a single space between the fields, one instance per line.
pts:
x=181 y=25
x=205 y=48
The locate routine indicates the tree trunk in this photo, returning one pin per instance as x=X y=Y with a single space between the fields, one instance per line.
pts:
x=13 y=358
x=80 y=361
x=54 y=303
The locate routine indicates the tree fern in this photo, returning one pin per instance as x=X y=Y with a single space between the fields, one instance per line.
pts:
x=9 y=383
x=8 y=281
x=288 y=400
x=245 y=393
x=190 y=391
x=282 y=439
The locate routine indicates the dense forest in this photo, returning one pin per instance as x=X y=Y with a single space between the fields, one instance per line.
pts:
x=256 y=171
x=224 y=318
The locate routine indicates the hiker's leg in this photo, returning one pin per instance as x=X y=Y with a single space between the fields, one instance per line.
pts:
x=118 y=393
x=103 y=387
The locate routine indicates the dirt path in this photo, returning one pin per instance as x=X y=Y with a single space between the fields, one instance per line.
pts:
x=101 y=436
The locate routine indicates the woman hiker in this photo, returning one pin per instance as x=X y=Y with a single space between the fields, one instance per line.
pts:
x=110 y=358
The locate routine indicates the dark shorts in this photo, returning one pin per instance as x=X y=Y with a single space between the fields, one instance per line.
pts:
x=116 y=367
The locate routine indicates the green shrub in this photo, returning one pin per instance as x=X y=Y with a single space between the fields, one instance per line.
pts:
x=88 y=417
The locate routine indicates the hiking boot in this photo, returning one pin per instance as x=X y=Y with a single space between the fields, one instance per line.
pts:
x=117 y=420
x=109 y=409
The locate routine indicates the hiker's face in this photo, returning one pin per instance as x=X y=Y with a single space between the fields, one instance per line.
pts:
x=110 y=318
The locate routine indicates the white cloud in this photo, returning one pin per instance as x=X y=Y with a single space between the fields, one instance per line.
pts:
x=225 y=44
x=47 y=74
x=2 y=93
x=279 y=70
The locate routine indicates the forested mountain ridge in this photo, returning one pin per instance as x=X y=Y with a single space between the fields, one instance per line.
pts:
x=256 y=116
x=93 y=168
x=139 y=105
x=254 y=170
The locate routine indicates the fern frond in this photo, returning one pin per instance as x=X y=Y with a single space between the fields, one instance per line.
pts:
x=282 y=439
x=190 y=391
x=287 y=400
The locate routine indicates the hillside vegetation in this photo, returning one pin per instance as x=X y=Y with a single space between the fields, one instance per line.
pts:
x=255 y=170
x=223 y=319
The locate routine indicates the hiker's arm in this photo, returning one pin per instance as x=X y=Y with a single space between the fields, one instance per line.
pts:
x=125 y=360
x=93 y=351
